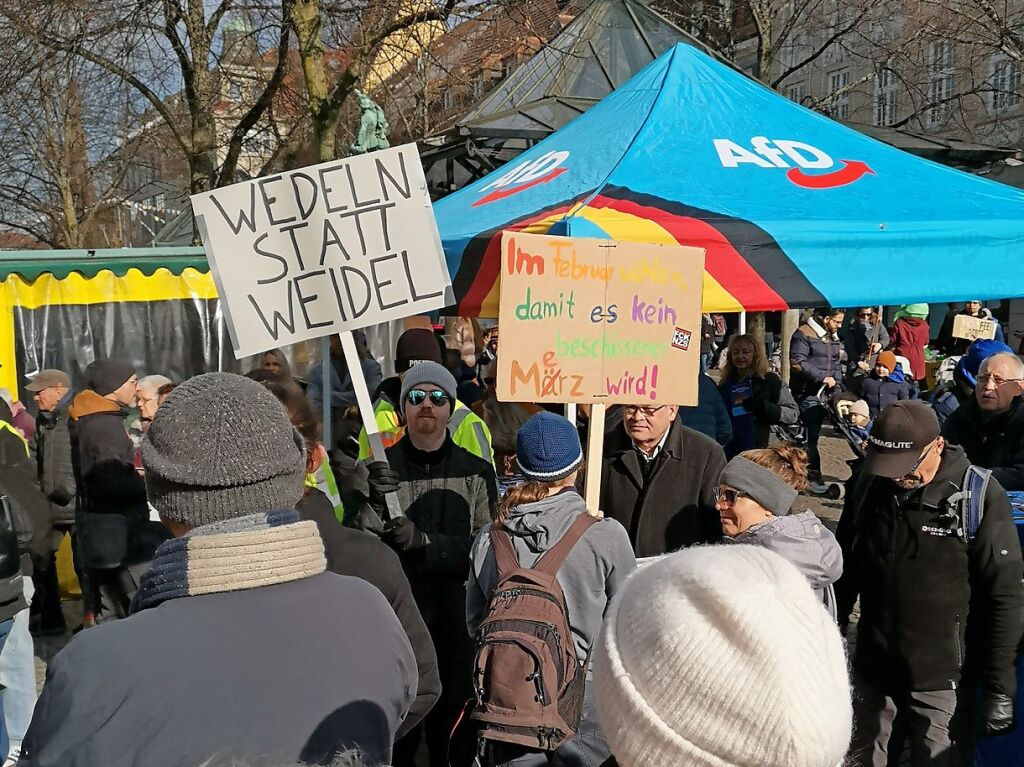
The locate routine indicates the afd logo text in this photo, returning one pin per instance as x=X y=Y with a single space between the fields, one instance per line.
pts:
x=797 y=156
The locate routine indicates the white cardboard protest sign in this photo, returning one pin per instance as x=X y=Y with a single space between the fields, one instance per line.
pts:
x=324 y=249
x=973 y=328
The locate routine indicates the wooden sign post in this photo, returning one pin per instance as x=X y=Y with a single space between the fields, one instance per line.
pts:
x=598 y=322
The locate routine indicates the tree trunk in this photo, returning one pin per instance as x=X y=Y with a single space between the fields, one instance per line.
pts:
x=308 y=26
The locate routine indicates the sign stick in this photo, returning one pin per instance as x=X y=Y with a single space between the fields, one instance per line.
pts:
x=328 y=392
x=355 y=370
x=595 y=450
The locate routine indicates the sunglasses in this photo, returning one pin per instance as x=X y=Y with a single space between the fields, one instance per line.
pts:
x=728 y=495
x=417 y=397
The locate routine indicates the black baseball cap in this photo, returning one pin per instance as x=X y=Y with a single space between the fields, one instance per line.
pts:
x=898 y=437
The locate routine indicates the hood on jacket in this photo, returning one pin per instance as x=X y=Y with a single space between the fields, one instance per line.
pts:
x=897 y=375
x=803 y=540
x=540 y=524
x=914 y=322
x=88 y=402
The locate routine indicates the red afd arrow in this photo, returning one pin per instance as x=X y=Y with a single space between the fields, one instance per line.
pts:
x=851 y=171
x=499 y=194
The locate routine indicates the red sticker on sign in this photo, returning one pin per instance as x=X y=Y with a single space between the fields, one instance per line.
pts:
x=681 y=339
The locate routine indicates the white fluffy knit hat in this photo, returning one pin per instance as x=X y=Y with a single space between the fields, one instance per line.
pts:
x=720 y=656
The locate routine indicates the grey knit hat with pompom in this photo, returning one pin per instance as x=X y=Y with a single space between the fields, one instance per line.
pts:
x=220 y=447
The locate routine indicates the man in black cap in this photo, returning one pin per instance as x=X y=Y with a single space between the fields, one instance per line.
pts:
x=51 y=391
x=941 y=604
x=112 y=516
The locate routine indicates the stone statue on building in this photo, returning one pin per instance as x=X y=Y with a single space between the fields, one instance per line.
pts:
x=373 y=127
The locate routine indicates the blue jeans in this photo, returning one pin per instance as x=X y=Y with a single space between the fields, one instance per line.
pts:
x=5 y=632
x=18 y=678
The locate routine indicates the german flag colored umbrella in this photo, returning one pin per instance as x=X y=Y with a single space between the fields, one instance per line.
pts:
x=792 y=208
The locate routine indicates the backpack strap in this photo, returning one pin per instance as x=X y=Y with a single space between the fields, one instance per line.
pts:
x=973 y=505
x=504 y=552
x=553 y=558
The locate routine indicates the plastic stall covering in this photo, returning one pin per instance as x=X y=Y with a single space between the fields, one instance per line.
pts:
x=156 y=307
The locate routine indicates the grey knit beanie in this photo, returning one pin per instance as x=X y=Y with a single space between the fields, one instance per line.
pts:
x=429 y=373
x=220 y=447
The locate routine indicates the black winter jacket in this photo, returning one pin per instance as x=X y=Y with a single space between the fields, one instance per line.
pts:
x=108 y=484
x=771 y=402
x=879 y=393
x=54 y=463
x=29 y=512
x=995 y=442
x=675 y=506
x=363 y=555
x=449 y=494
x=933 y=608
x=813 y=358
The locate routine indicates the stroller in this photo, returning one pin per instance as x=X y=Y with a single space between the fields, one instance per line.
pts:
x=837 y=413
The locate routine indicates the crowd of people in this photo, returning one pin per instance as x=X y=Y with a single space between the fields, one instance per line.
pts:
x=254 y=596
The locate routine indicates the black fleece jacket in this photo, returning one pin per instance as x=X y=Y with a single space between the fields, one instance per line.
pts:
x=362 y=555
x=934 y=609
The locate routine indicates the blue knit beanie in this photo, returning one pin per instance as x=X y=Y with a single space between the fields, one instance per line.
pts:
x=977 y=353
x=548 y=448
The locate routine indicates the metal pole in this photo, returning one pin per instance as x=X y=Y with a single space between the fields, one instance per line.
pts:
x=743 y=323
x=325 y=360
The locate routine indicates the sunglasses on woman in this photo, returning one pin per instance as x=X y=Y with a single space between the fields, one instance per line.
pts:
x=728 y=495
x=417 y=397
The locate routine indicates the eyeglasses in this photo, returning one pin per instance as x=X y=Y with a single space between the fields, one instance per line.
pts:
x=729 y=495
x=986 y=378
x=417 y=397
x=646 y=412
x=916 y=466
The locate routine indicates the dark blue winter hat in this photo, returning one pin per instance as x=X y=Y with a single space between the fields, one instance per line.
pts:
x=548 y=448
x=977 y=353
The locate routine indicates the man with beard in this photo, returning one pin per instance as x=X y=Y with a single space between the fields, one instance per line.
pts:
x=446 y=495
x=941 y=605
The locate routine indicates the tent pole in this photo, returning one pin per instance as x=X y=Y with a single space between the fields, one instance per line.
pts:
x=743 y=323
x=790 y=321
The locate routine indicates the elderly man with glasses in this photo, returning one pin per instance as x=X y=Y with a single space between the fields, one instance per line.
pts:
x=446 y=495
x=658 y=480
x=941 y=606
x=990 y=427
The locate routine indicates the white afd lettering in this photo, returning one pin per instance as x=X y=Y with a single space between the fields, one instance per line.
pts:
x=732 y=154
x=531 y=170
x=771 y=153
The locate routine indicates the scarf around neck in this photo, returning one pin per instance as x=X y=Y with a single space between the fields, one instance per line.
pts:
x=243 y=553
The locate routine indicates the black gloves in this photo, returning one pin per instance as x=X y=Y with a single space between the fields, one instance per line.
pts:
x=382 y=479
x=402 y=535
x=998 y=713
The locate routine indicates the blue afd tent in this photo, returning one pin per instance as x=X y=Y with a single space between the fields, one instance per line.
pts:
x=792 y=208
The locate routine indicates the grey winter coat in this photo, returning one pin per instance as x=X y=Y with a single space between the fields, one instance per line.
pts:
x=590 y=576
x=53 y=460
x=282 y=674
x=803 y=540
